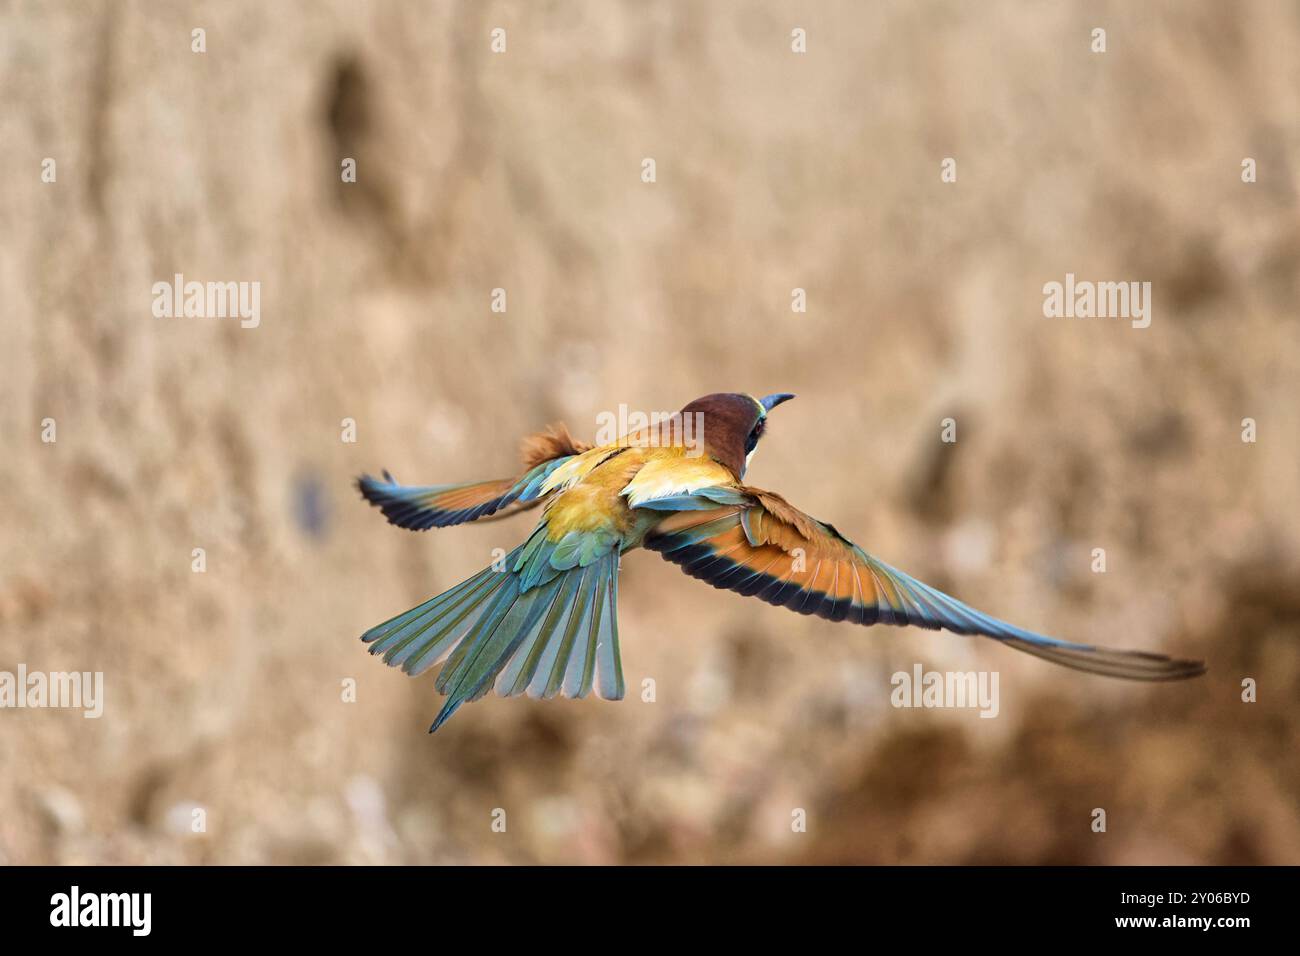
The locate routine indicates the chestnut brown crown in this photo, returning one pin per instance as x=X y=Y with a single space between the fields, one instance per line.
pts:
x=733 y=423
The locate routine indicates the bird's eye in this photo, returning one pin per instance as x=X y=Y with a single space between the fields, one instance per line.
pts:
x=755 y=434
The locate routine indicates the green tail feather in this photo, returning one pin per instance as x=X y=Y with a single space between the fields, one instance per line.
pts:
x=541 y=632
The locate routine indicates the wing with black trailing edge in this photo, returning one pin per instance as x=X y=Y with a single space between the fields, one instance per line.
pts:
x=420 y=507
x=755 y=543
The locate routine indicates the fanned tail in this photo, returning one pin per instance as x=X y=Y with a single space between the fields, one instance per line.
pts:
x=509 y=630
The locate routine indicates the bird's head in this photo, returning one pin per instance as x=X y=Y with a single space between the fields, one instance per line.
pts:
x=731 y=425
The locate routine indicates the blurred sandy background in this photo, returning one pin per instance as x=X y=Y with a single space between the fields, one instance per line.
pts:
x=775 y=171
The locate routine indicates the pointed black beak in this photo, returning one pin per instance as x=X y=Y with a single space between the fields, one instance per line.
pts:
x=771 y=401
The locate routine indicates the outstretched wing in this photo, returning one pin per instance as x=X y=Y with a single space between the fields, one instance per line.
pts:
x=438 y=506
x=755 y=543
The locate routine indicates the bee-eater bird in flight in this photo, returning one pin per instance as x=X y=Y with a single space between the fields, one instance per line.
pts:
x=544 y=622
